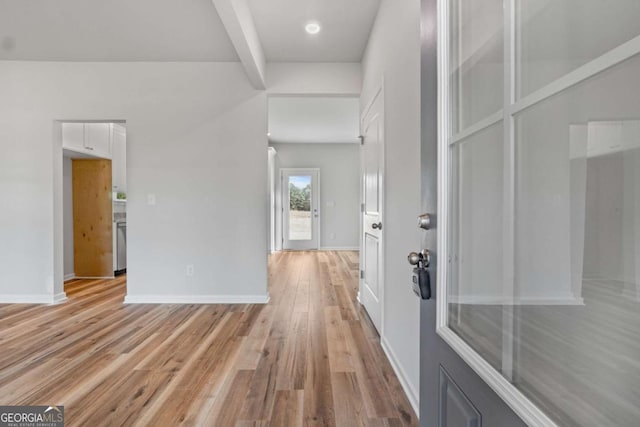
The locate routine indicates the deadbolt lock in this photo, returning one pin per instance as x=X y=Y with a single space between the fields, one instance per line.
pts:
x=424 y=221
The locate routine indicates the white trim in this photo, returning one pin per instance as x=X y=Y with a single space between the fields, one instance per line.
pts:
x=506 y=301
x=197 y=299
x=95 y=278
x=409 y=390
x=477 y=127
x=339 y=248
x=590 y=69
x=32 y=298
x=380 y=92
x=59 y=298
x=69 y=276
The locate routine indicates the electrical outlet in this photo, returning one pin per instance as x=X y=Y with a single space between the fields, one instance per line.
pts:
x=190 y=270
x=151 y=199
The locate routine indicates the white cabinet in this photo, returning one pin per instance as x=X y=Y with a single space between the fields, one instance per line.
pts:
x=118 y=159
x=606 y=137
x=98 y=138
x=73 y=136
x=90 y=139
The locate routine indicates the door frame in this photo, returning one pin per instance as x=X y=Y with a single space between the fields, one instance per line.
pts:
x=315 y=198
x=56 y=283
x=381 y=270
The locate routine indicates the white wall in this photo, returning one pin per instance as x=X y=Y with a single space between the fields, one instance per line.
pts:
x=393 y=55
x=339 y=166
x=321 y=78
x=196 y=138
x=67 y=200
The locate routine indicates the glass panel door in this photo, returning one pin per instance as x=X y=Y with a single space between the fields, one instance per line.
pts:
x=300 y=199
x=542 y=180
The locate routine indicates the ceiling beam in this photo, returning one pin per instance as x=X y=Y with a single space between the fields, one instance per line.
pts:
x=238 y=21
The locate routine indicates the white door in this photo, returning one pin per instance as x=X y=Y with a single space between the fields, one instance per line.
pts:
x=371 y=285
x=300 y=209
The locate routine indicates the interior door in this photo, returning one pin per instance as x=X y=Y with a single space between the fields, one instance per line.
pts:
x=300 y=209
x=371 y=286
x=451 y=393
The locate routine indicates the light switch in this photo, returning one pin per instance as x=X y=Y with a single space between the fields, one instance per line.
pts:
x=331 y=203
x=151 y=199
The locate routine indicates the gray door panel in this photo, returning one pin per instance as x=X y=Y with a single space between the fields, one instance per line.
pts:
x=455 y=408
x=469 y=400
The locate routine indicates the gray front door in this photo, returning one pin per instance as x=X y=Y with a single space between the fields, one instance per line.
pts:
x=451 y=394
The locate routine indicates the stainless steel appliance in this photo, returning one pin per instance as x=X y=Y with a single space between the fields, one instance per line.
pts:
x=121 y=246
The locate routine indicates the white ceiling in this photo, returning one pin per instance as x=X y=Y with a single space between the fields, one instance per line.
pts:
x=346 y=25
x=114 y=30
x=313 y=119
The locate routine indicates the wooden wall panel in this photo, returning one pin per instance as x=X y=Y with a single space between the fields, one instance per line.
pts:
x=92 y=218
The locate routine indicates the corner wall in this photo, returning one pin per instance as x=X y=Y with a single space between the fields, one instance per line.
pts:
x=196 y=139
x=393 y=56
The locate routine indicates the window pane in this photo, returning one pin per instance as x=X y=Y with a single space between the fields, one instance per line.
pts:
x=475 y=288
x=476 y=60
x=558 y=36
x=578 y=251
x=300 y=207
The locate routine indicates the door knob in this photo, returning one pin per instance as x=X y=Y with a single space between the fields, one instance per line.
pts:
x=421 y=259
x=377 y=226
x=414 y=258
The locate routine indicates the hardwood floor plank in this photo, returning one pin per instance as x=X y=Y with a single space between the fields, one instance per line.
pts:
x=234 y=400
x=339 y=351
x=288 y=408
x=350 y=410
x=292 y=374
x=310 y=357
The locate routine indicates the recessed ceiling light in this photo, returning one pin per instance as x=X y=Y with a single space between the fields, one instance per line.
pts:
x=268 y=133
x=312 y=28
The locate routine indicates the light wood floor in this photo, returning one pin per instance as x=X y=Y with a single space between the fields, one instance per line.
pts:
x=309 y=357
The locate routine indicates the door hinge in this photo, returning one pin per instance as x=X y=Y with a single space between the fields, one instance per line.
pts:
x=362 y=207
x=362 y=274
x=361 y=139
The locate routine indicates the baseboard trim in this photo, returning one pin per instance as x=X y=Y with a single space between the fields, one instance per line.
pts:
x=339 y=248
x=411 y=393
x=196 y=299
x=32 y=299
x=95 y=278
x=69 y=277
x=59 y=298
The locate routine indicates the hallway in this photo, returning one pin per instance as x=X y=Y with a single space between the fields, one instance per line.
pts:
x=309 y=357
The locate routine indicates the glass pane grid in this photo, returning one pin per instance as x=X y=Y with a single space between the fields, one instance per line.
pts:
x=571 y=320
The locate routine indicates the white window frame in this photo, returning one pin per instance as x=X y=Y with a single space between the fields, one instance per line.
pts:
x=517 y=401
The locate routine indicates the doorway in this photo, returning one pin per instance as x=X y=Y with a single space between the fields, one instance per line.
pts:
x=93 y=199
x=301 y=204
